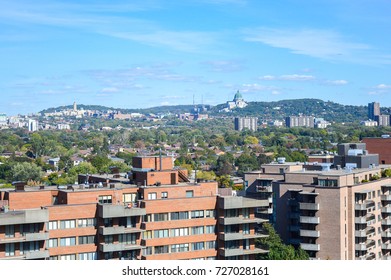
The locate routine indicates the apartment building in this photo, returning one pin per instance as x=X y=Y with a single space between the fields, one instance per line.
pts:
x=152 y=213
x=332 y=213
x=250 y=123
x=300 y=121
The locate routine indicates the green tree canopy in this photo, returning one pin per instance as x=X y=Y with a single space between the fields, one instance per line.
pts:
x=277 y=249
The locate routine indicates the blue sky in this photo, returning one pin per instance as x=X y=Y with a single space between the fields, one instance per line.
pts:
x=140 y=54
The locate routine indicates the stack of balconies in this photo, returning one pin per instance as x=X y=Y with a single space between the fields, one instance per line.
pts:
x=26 y=245
x=364 y=218
x=308 y=223
x=240 y=243
x=386 y=221
x=112 y=231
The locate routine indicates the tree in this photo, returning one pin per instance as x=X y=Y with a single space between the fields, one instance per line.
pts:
x=277 y=249
x=25 y=171
x=224 y=181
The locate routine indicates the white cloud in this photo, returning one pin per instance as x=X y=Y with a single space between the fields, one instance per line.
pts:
x=293 y=77
x=109 y=90
x=383 y=86
x=337 y=82
x=224 y=65
x=319 y=43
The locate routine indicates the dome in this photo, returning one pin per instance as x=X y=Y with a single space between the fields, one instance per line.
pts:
x=238 y=96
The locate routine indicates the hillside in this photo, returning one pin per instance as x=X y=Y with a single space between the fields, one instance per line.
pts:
x=265 y=111
x=315 y=107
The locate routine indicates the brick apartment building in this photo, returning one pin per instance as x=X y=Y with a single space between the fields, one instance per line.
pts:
x=340 y=212
x=381 y=146
x=152 y=213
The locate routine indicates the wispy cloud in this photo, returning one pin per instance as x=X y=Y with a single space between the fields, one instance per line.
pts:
x=318 y=43
x=292 y=77
x=336 y=82
x=380 y=89
x=224 y=65
x=110 y=20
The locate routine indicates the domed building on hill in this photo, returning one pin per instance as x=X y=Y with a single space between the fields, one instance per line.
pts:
x=237 y=102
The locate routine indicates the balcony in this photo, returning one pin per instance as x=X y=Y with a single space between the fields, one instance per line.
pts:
x=386 y=246
x=386 y=209
x=309 y=233
x=386 y=197
x=310 y=247
x=241 y=252
x=365 y=205
x=24 y=217
x=115 y=247
x=118 y=230
x=238 y=202
x=386 y=234
x=360 y=220
x=309 y=220
x=386 y=222
x=309 y=206
x=36 y=236
x=360 y=247
x=112 y=211
x=240 y=220
x=237 y=236
x=34 y=255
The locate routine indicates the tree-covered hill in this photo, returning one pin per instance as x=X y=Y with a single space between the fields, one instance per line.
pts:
x=311 y=107
x=265 y=111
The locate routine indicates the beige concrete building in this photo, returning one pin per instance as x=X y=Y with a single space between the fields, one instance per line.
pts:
x=337 y=214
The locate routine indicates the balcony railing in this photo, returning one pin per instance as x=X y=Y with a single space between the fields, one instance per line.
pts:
x=309 y=220
x=309 y=206
x=309 y=233
x=310 y=247
x=113 y=210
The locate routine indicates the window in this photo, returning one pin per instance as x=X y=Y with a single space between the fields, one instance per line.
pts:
x=189 y=194
x=245 y=213
x=161 y=249
x=147 y=234
x=105 y=199
x=152 y=196
x=147 y=251
x=209 y=213
x=197 y=246
x=52 y=225
x=210 y=244
x=179 y=215
x=109 y=239
x=231 y=213
x=86 y=222
x=128 y=238
x=9 y=231
x=52 y=243
x=29 y=247
x=9 y=249
x=159 y=217
x=210 y=229
x=68 y=257
x=129 y=197
x=179 y=248
x=68 y=241
x=197 y=214
x=147 y=218
x=88 y=239
x=65 y=224
x=197 y=230
x=88 y=256
x=179 y=232
x=164 y=195
x=160 y=233
x=108 y=222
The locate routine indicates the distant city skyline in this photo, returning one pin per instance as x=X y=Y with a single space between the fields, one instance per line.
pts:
x=150 y=53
